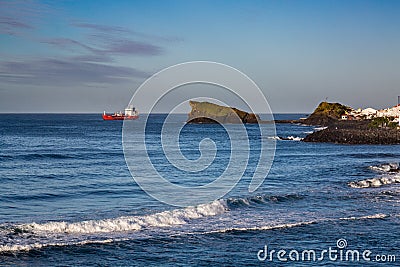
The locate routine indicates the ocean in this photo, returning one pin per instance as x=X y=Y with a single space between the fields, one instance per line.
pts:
x=67 y=198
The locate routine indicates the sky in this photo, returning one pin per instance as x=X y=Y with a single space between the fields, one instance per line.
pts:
x=90 y=56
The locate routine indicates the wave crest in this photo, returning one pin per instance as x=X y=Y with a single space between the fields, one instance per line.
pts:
x=389 y=167
x=261 y=199
x=375 y=182
x=130 y=223
x=289 y=138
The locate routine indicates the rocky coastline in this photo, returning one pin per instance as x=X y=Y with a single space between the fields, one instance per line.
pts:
x=328 y=115
x=338 y=131
x=355 y=136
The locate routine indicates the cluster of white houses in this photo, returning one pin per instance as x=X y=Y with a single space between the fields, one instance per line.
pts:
x=370 y=113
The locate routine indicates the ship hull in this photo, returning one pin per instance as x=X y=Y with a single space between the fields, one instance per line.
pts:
x=107 y=117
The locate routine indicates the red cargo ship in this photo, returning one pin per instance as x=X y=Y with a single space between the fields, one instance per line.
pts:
x=130 y=114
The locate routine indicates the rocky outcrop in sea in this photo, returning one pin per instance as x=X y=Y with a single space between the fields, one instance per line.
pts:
x=205 y=112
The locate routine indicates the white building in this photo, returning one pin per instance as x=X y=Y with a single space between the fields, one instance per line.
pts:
x=369 y=113
x=389 y=112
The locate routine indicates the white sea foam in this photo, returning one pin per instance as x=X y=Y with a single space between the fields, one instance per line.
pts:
x=373 y=216
x=390 y=167
x=375 y=182
x=274 y=137
x=316 y=129
x=58 y=239
x=260 y=228
x=291 y=138
x=130 y=223
x=294 y=138
x=37 y=245
x=80 y=233
x=296 y=224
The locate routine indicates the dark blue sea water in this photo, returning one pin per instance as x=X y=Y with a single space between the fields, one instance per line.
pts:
x=67 y=198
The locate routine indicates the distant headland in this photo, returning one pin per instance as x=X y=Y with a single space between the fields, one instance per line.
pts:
x=206 y=112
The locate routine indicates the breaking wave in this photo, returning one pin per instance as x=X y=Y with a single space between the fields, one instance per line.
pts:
x=57 y=234
x=27 y=247
x=130 y=223
x=390 y=176
x=373 y=216
x=274 y=137
x=375 y=182
x=37 y=235
x=261 y=228
x=297 y=224
x=390 y=167
x=261 y=199
x=25 y=237
x=316 y=129
x=294 y=138
x=320 y=128
x=289 y=138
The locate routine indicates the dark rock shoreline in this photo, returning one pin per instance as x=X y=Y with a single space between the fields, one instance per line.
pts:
x=355 y=136
x=344 y=132
x=351 y=132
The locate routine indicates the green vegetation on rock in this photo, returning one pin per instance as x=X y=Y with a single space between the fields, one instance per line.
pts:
x=205 y=112
x=334 y=110
x=211 y=109
x=383 y=122
x=327 y=113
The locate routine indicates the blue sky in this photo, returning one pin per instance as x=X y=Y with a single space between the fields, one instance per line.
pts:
x=90 y=56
